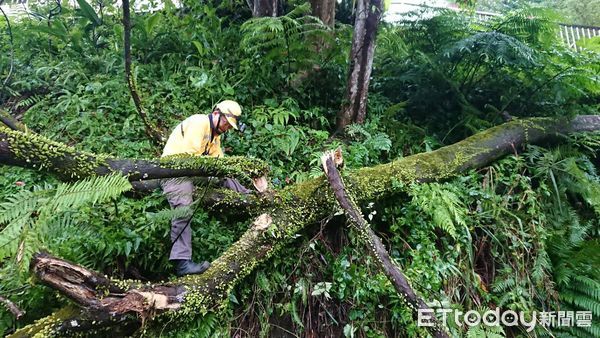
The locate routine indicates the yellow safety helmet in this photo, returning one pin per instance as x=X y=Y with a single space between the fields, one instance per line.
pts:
x=231 y=110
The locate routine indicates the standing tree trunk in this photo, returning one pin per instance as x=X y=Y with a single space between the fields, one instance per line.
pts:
x=261 y=8
x=354 y=108
x=324 y=10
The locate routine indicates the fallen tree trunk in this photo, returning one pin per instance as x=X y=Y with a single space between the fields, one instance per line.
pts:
x=300 y=205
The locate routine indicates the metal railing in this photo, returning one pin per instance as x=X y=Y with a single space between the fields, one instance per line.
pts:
x=570 y=34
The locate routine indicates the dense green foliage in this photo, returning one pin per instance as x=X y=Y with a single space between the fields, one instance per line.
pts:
x=522 y=234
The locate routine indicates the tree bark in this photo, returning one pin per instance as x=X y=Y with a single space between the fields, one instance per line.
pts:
x=302 y=204
x=324 y=10
x=263 y=8
x=11 y=122
x=10 y=306
x=376 y=248
x=354 y=108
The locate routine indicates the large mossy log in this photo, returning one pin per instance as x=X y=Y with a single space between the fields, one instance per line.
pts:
x=303 y=204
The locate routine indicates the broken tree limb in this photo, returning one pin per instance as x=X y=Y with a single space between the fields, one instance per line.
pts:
x=300 y=205
x=37 y=152
x=10 y=306
x=78 y=283
x=131 y=301
x=476 y=151
x=330 y=161
x=73 y=321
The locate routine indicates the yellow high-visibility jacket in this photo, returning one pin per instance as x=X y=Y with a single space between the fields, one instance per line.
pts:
x=192 y=136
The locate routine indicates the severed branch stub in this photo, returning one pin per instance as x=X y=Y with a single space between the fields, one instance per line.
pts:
x=101 y=295
x=330 y=161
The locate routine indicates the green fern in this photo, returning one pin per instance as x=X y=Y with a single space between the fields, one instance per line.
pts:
x=534 y=25
x=481 y=331
x=442 y=203
x=29 y=101
x=88 y=191
x=288 y=39
x=29 y=215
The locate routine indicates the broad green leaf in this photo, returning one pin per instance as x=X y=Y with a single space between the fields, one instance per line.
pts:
x=88 y=12
x=151 y=22
x=199 y=47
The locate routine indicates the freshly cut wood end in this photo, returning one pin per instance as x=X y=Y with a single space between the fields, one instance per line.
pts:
x=158 y=301
x=336 y=157
x=261 y=184
x=262 y=222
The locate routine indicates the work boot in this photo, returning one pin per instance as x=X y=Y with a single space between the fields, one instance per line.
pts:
x=188 y=267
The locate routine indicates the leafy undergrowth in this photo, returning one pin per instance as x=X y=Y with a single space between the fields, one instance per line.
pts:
x=522 y=234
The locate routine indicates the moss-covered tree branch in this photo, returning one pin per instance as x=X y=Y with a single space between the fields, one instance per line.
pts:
x=37 y=152
x=11 y=122
x=300 y=205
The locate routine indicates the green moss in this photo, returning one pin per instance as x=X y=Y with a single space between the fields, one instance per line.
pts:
x=46 y=327
x=41 y=153
x=243 y=168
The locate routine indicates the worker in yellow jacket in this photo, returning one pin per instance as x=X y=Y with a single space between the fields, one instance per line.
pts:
x=197 y=135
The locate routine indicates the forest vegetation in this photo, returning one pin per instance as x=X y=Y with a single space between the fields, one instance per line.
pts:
x=469 y=152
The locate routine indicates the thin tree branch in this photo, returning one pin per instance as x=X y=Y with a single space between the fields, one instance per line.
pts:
x=376 y=247
x=154 y=132
x=12 y=48
x=18 y=313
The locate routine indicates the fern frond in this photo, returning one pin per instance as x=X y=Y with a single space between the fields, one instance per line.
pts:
x=29 y=215
x=492 y=47
x=10 y=237
x=17 y=206
x=30 y=101
x=541 y=266
x=534 y=25
x=284 y=38
x=573 y=297
x=88 y=191
x=442 y=203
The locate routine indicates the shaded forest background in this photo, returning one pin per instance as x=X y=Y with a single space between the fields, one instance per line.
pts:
x=521 y=234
